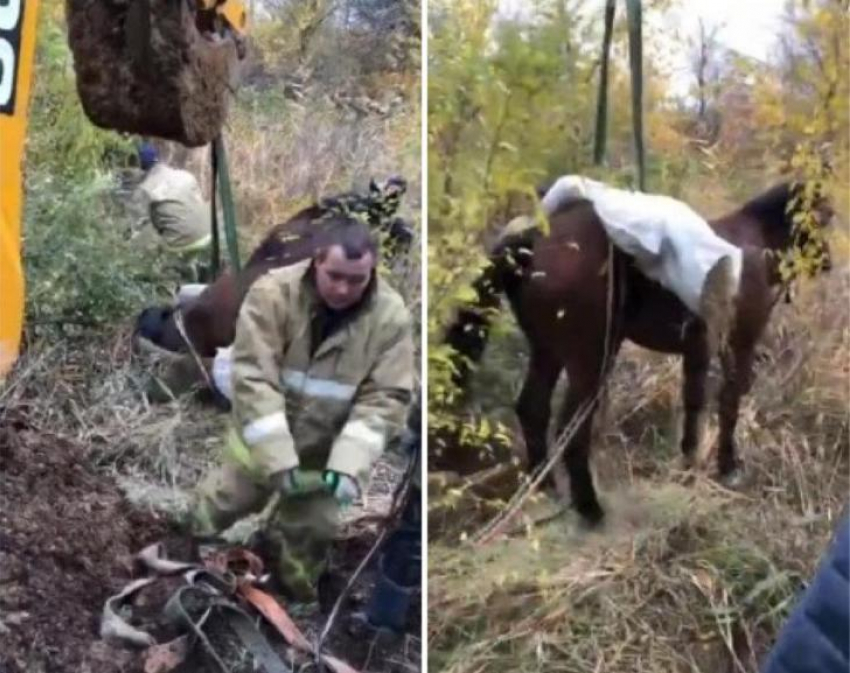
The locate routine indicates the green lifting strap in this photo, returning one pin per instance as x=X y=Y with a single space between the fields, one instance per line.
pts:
x=633 y=15
x=601 y=135
x=221 y=185
x=634 y=20
x=215 y=248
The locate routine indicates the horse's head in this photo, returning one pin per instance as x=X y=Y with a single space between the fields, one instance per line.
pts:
x=378 y=207
x=794 y=216
x=811 y=213
x=157 y=326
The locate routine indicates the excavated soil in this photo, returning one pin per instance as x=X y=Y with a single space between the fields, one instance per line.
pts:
x=145 y=67
x=66 y=541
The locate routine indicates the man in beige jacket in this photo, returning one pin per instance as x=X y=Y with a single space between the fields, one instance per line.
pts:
x=322 y=375
x=171 y=200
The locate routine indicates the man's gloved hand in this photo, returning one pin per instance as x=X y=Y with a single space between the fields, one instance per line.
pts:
x=343 y=487
x=287 y=482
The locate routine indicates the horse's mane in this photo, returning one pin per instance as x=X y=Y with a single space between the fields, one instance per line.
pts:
x=773 y=205
x=376 y=207
x=276 y=238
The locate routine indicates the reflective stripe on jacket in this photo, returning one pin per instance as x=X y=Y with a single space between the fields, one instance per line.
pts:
x=335 y=408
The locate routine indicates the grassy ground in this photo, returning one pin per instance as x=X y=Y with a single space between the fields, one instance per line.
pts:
x=685 y=575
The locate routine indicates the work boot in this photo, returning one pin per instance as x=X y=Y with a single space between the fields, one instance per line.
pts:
x=717 y=304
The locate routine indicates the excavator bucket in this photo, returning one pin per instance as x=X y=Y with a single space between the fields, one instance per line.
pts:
x=162 y=68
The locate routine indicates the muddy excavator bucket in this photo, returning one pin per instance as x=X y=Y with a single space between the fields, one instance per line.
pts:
x=163 y=68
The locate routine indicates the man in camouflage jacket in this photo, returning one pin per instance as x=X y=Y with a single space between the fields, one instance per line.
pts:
x=171 y=200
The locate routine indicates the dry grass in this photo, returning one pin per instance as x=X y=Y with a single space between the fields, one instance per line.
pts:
x=281 y=156
x=284 y=155
x=317 y=150
x=685 y=576
x=92 y=391
x=677 y=582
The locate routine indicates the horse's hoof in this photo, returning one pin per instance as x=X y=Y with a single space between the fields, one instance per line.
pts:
x=688 y=463
x=732 y=479
x=591 y=518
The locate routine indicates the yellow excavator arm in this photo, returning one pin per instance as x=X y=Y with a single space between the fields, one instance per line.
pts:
x=147 y=85
x=232 y=11
x=17 y=47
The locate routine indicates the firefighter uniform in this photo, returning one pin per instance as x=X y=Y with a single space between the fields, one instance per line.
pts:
x=314 y=389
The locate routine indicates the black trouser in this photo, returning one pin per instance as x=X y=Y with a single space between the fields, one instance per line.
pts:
x=403 y=550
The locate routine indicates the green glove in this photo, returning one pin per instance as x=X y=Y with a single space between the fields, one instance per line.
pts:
x=343 y=487
x=296 y=482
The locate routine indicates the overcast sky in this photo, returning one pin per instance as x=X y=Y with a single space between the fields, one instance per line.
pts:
x=747 y=26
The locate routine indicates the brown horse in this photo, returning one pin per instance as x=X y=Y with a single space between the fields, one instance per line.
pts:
x=569 y=303
x=209 y=320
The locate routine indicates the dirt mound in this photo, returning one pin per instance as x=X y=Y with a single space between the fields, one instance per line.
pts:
x=66 y=541
x=157 y=69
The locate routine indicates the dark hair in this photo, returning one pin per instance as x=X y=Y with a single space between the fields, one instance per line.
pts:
x=782 y=202
x=352 y=235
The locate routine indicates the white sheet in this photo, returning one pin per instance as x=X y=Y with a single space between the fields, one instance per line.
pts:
x=670 y=242
x=188 y=293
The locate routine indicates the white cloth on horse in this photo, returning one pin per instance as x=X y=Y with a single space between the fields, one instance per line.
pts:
x=669 y=242
x=187 y=293
x=222 y=371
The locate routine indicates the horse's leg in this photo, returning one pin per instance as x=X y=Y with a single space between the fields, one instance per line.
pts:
x=737 y=380
x=695 y=372
x=534 y=406
x=584 y=372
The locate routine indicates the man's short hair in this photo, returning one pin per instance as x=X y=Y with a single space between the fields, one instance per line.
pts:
x=353 y=236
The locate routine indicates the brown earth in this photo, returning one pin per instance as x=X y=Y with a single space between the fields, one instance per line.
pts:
x=66 y=541
x=158 y=73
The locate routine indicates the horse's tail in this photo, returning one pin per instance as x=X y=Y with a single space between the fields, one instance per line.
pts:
x=470 y=330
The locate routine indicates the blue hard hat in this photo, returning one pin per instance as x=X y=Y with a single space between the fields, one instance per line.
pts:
x=148 y=155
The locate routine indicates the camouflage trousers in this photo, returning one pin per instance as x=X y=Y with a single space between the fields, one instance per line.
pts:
x=297 y=534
